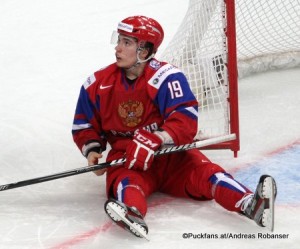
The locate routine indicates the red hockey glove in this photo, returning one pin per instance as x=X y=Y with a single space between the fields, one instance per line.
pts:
x=140 y=151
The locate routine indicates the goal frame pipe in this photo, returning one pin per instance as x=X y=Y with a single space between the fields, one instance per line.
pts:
x=230 y=32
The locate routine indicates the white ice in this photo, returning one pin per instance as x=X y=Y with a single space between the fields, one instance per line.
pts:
x=48 y=49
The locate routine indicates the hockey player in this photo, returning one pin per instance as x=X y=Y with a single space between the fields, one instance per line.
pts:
x=139 y=104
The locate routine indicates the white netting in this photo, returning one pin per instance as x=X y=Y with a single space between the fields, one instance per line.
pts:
x=199 y=49
x=267 y=34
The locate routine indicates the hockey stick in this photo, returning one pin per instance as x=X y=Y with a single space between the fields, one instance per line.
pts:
x=194 y=145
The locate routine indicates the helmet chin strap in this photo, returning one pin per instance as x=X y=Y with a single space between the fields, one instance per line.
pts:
x=139 y=60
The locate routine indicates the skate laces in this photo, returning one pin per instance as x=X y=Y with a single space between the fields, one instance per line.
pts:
x=244 y=202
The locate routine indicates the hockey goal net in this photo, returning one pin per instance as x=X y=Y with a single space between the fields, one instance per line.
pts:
x=221 y=39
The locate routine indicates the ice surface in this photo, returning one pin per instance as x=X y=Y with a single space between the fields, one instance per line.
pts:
x=48 y=49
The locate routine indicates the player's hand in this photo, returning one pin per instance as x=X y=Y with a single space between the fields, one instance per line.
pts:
x=140 y=151
x=93 y=158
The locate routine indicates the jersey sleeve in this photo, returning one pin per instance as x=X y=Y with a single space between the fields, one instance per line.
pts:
x=177 y=104
x=86 y=129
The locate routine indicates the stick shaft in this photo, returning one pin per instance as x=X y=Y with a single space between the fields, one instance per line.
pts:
x=85 y=169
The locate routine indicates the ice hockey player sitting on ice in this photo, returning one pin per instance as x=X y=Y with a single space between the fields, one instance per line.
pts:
x=139 y=104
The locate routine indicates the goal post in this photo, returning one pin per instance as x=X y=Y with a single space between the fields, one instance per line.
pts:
x=200 y=49
x=220 y=41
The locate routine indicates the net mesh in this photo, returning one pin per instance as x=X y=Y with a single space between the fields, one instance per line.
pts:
x=267 y=35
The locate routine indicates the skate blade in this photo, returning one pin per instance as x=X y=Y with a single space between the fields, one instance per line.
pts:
x=268 y=215
x=117 y=213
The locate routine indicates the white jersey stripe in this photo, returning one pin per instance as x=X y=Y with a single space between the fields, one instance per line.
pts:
x=76 y=127
x=192 y=110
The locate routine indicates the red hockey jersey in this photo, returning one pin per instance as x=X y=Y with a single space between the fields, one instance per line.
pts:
x=110 y=108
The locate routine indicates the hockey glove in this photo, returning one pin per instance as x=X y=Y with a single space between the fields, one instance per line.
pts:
x=140 y=151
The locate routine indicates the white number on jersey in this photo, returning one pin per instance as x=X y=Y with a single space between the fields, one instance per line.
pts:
x=175 y=89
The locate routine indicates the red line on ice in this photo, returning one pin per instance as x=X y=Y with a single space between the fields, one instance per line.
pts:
x=93 y=232
x=84 y=236
x=267 y=154
x=87 y=235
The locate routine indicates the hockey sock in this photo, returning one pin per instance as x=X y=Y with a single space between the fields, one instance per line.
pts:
x=132 y=195
x=226 y=191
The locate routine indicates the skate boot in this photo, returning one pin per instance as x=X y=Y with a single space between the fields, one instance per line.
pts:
x=126 y=217
x=260 y=206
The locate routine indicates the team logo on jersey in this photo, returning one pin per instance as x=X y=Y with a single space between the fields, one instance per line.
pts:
x=155 y=81
x=131 y=112
x=89 y=81
x=154 y=64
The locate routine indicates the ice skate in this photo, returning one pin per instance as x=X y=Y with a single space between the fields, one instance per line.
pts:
x=260 y=206
x=126 y=217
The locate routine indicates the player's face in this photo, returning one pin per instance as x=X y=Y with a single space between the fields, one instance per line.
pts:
x=126 y=51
